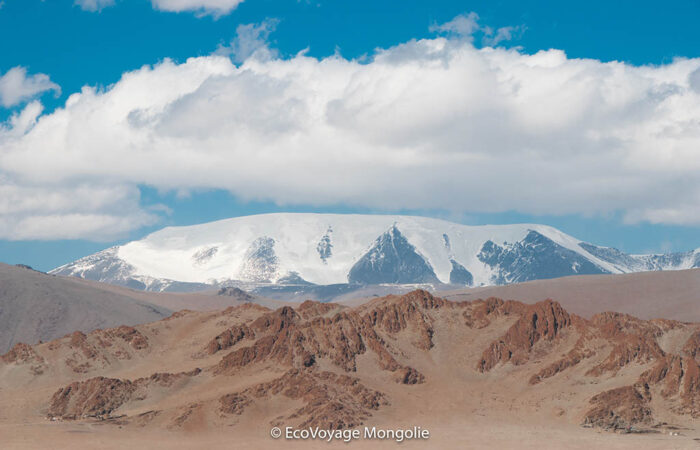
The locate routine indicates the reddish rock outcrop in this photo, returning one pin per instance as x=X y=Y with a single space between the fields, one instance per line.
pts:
x=99 y=397
x=229 y=338
x=22 y=353
x=310 y=309
x=678 y=379
x=331 y=401
x=620 y=408
x=286 y=337
x=641 y=348
x=691 y=347
x=129 y=334
x=96 y=397
x=541 y=321
x=478 y=314
x=575 y=356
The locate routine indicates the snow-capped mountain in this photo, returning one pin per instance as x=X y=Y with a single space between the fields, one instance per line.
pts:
x=336 y=249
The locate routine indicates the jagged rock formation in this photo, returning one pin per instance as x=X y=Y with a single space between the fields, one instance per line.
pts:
x=541 y=321
x=300 y=339
x=326 y=365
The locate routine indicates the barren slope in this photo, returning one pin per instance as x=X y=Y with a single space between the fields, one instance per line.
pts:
x=35 y=306
x=669 y=295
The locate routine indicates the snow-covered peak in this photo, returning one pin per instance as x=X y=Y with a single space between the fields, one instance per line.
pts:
x=326 y=249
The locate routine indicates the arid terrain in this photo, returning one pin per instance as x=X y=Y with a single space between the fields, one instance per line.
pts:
x=480 y=374
x=674 y=294
x=37 y=306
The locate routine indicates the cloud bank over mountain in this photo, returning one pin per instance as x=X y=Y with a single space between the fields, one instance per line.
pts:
x=431 y=123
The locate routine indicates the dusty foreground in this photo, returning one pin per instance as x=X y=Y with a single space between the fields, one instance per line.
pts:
x=476 y=434
x=482 y=374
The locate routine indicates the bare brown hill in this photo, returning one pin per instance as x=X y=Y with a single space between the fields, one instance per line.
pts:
x=648 y=295
x=35 y=306
x=396 y=361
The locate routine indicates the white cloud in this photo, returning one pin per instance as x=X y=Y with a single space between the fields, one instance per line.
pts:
x=251 y=39
x=502 y=34
x=694 y=80
x=93 y=5
x=431 y=123
x=463 y=25
x=466 y=26
x=16 y=86
x=201 y=7
x=87 y=211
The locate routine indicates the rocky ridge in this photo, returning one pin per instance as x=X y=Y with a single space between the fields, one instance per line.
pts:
x=337 y=366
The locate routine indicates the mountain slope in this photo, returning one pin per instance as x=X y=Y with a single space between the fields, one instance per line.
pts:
x=457 y=369
x=334 y=249
x=36 y=306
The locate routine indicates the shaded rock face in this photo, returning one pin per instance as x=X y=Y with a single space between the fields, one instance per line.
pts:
x=536 y=257
x=237 y=293
x=613 y=256
x=203 y=256
x=260 y=262
x=324 y=246
x=392 y=259
x=460 y=275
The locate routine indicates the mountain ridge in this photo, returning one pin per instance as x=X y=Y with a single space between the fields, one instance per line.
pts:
x=304 y=249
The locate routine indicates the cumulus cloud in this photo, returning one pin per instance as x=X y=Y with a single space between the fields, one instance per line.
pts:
x=215 y=8
x=16 y=86
x=93 y=5
x=435 y=123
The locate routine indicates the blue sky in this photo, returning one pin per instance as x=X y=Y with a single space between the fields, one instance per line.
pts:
x=75 y=47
